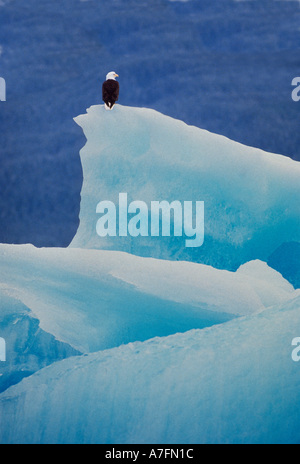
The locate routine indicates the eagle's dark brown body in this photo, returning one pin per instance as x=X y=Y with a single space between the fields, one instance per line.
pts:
x=110 y=92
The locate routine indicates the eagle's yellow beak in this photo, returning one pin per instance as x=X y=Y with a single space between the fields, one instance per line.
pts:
x=117 y=75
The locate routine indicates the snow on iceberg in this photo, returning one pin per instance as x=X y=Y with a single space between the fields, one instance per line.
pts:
x=251 y=197
x=231 y=383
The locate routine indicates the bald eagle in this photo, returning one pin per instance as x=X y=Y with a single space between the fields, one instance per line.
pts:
x=110 y=90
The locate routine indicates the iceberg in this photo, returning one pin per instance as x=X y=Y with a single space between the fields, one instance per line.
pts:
x=123 y=339
x=251 y=197
x=233 y=383
x=93 y=300
x=97 y=299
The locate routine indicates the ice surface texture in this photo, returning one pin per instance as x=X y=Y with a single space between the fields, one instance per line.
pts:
x=93 y=299
x=233 y=383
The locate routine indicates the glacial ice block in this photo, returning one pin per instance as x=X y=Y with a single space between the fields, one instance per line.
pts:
x=251 y=197
x=95 y=299
x=235 y=383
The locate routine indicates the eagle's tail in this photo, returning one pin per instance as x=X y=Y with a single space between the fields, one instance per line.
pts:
x=109 y=106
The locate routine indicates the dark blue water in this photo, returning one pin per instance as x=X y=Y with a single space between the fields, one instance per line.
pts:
x=224 y=66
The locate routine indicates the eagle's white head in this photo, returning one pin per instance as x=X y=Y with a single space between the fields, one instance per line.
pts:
x=112 y=75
